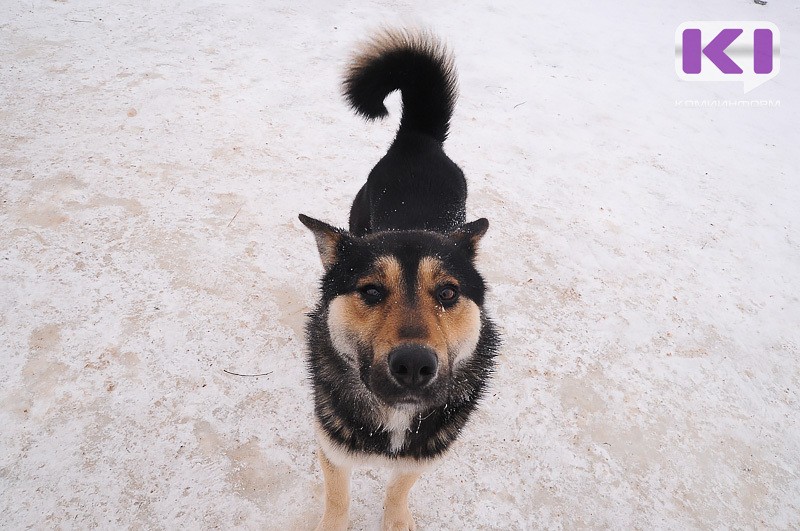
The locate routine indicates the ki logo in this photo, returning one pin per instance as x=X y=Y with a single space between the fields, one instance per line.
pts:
x=748 y=52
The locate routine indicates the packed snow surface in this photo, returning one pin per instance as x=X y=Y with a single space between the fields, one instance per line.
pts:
x=643 y=258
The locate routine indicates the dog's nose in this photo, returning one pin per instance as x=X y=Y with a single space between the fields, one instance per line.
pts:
x=413 y=366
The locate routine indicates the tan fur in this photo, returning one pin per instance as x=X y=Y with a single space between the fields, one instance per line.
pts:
x=336 y=464
x=327 y=239
x=398 y=319
x=396 y=514
x=326 y=244
x=388 y=273
x=343 y=319
x=337 y=495
x=460 y=325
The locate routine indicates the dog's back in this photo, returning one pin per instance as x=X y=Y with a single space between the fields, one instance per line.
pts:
x=415 y=185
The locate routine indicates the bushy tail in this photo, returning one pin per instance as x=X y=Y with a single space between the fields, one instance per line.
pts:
x=417 y=64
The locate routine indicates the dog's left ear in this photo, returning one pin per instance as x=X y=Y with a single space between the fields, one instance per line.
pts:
x=328 y=239
x=468 y=236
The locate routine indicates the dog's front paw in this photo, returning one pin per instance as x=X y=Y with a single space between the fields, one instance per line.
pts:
x=332 y=523
x=398 y=521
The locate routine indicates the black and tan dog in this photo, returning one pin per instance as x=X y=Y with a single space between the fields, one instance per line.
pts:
x=400 y=347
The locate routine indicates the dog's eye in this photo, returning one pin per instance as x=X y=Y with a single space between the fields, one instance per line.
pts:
x=372 y=294
x=447 y=295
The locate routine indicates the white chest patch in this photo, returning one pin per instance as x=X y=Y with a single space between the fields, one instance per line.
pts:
x=398 y=422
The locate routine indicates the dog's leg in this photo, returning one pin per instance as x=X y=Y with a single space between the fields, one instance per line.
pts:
x=396 y=515
x=337 y=495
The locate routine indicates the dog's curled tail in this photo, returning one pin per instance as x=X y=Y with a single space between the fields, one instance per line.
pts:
x=414 y=62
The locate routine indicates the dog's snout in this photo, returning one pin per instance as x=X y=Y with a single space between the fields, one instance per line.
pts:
x=413 y=366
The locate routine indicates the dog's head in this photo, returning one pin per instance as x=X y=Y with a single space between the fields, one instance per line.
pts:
x=403 y=307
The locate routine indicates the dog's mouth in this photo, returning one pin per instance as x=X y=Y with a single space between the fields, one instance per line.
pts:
x=406 y=401
x=417 y=399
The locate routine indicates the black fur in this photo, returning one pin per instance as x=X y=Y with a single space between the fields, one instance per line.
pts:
x=412 y=206
x=415 y=185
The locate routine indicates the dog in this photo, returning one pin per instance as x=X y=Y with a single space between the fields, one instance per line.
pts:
x=400 y=347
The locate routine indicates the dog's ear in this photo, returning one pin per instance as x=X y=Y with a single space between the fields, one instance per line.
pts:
x=328 y=239
x=468 y=235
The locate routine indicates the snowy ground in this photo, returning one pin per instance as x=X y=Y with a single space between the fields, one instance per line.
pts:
x=643 y=259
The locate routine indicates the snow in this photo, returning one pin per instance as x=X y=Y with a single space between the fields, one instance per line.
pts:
x=643 y=257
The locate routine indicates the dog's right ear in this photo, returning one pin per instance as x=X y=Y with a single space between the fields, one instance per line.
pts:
x=328 y=239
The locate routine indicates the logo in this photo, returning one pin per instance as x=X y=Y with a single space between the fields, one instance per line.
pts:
x=747 y=52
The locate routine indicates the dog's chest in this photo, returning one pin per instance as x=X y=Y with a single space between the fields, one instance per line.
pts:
x=398 y=425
